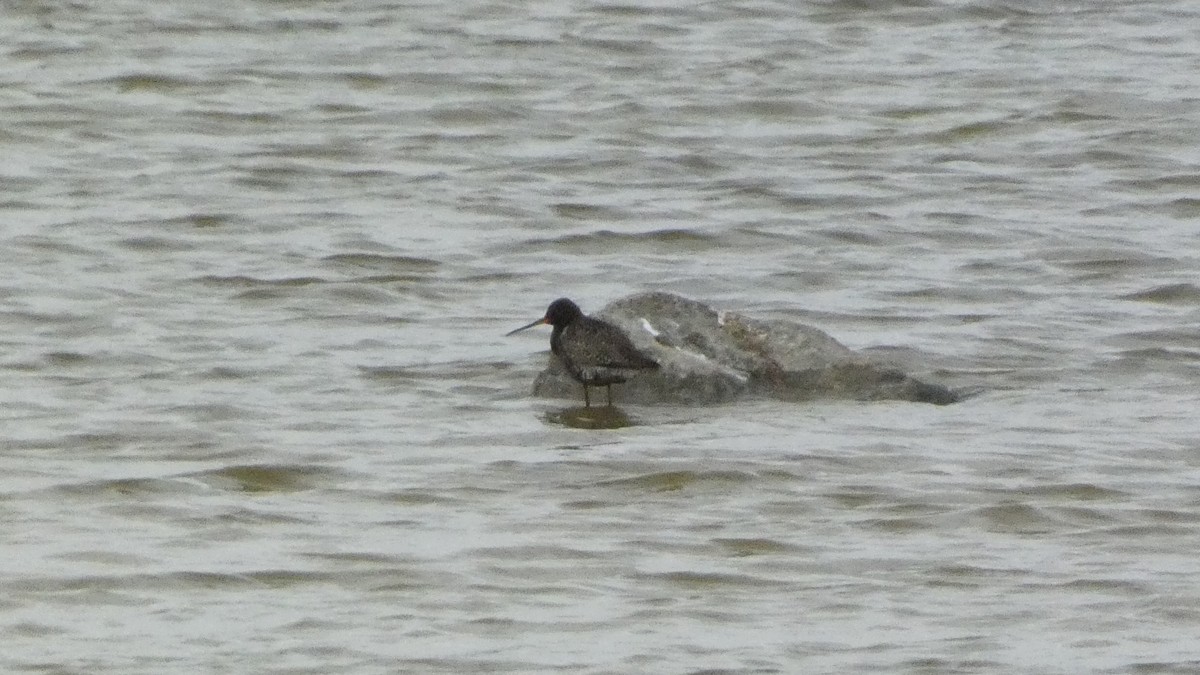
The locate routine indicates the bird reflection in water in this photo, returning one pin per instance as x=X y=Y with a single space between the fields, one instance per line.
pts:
x=587 y=417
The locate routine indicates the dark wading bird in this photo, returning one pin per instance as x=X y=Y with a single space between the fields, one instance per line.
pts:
x=595 y=352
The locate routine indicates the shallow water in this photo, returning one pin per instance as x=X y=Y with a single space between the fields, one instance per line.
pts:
x=260 y=415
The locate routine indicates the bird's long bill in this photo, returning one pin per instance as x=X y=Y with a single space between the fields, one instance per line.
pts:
x=535 y=323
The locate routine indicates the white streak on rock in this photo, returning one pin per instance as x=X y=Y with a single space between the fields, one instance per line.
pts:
x=648 y=328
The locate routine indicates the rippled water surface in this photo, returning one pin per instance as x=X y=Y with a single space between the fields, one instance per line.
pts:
x=259 y=257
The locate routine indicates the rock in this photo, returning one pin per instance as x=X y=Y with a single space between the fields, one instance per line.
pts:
x=711 y=357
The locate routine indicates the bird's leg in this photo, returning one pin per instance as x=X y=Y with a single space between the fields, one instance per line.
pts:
x=608 y=388
x=586 y=402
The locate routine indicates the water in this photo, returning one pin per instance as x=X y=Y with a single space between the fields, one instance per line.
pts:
x=259 y=415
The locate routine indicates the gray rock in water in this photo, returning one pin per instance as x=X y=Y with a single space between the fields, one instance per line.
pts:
x=711 y=357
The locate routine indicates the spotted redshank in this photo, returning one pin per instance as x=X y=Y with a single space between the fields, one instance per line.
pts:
x=595 y=353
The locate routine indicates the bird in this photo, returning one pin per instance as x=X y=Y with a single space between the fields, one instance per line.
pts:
x=595 y=352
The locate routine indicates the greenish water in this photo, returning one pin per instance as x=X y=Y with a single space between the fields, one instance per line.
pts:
x=259 y=414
